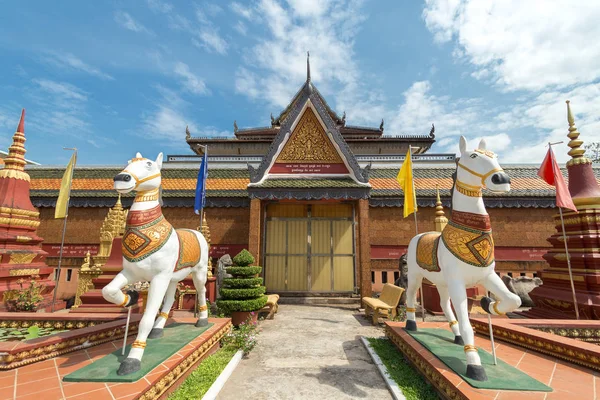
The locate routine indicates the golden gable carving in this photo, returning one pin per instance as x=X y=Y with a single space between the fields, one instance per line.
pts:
x=309 y=143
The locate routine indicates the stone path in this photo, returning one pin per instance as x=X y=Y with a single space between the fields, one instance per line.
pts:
x=309 y=352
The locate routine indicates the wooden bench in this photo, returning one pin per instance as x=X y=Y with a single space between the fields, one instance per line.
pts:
x=385 y=305
x=271 y=306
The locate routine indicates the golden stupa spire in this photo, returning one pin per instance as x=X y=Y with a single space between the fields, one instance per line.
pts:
x=440 y=218
x=576 y=152
x=14 y=163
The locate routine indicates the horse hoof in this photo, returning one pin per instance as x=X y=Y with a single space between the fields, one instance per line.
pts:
x=485 y=304
x=202 y=322
x=476 y=372
x=155 y=333
x=129 y=366
x=458 y=340
x=133 y=297
x=411 y=325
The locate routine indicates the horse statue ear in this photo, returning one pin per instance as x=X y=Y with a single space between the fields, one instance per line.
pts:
x=159 y=160
x=482 y=145
x=138 y=155
x=463 y=144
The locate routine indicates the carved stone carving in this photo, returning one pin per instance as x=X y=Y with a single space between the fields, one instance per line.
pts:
x=521 y=286
x=113 y=226
x=402 y=280
x=224 y=262
x=309 y=143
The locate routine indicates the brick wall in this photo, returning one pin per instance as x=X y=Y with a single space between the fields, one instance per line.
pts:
x=519 y=227
x=227 y=225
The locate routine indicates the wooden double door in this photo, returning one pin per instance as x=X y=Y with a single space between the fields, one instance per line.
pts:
x=310 y=248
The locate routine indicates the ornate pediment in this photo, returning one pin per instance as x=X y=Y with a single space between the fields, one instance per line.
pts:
x=309 y=143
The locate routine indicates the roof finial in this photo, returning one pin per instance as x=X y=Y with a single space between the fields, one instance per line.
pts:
x=381 y=126
x=432 y=131
x=187 y=132
x=235 y=127
x=575 y=143
x=21 y=127
x=307 y=66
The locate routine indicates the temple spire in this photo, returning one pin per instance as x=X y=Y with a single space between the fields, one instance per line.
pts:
x=307 y=66
x=14 y=163
x=440 y=218
x=575 y=143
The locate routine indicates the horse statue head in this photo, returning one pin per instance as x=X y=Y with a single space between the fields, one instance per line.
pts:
x=140 y=175
x=480 y=168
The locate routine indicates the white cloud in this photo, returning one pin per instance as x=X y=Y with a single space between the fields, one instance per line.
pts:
x=243 y=11
x=127 y=22
x=326 y=29
x=208 y=38
x=64 y=91
x=159 y=6
x=168 y=120
x=68 y=61
x=241 y=28
x=191 y=82
x=528 y=45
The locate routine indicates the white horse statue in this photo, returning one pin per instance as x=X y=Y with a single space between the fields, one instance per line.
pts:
x=154 y=252
x=464 y=257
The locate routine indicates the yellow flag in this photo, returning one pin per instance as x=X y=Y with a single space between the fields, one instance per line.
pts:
x=405 y=179
x=65 y=190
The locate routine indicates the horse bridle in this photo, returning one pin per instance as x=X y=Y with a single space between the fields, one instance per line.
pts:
x=477 y=174
x=139 y=181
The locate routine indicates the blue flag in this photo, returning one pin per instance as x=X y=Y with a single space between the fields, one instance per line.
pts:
x=200 y=201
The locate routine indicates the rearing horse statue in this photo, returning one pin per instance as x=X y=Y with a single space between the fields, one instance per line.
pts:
x=463 y=254
x=154 y=252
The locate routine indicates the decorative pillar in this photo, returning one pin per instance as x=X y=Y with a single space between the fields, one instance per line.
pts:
x=21 y=255
x=254 y=239
x=206 y=233
x=554 y=298
x=364 y=248
x=211 y=282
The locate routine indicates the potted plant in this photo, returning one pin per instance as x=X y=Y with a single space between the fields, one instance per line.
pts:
x=242 y=294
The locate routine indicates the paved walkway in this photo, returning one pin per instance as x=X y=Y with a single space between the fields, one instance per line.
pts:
x=309 y=352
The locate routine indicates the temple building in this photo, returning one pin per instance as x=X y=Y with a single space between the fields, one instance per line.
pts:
x=313 y=198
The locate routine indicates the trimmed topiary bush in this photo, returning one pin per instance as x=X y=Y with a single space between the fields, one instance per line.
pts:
x=242 y=283
x=243 y=292
x=243 y=259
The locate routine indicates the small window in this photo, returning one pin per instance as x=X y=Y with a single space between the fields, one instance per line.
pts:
x=383 y=276
x=523 y=274
x=535 y=274
x=396 y=275
x=69 y=274
x=56 y=274
x=510 y=274
x=372 y=276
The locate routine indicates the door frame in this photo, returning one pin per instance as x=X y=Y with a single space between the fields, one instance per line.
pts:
x=309 y=218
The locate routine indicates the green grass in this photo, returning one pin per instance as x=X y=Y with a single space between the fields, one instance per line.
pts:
x=412 y=384
x=199 y=381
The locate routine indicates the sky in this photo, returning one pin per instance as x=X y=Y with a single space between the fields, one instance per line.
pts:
x=116 y=77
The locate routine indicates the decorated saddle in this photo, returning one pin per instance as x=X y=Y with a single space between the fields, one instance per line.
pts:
x=468 y=237
x=147 y=231
x=427 y=248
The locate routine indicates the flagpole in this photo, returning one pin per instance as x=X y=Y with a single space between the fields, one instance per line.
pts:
x=64 y=230
x=562 y=222
x=205 y=147
x=416 y=226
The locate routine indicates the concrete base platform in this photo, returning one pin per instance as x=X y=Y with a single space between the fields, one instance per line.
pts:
x=320 y=300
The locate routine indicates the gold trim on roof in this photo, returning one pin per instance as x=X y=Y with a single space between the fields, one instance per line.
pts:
x=309 y=143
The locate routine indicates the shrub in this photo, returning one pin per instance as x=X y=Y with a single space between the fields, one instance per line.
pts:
x=243 y=259
x=241 y=283
x=244 y=337
x=26 y=299
x=229 y=306
x=244 y=271
x=248 y=293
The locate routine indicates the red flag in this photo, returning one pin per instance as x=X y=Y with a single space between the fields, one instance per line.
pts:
x=551 y=173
